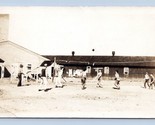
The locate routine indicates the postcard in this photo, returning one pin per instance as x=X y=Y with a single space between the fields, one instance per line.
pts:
x=77 y=62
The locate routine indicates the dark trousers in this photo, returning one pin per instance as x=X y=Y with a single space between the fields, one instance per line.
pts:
x=20 y=79
x=146 y=82
x=83 y=81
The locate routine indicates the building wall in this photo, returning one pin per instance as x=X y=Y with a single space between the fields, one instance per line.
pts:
x=140 y=72
x=4 y=27
x=14 y=55
x=133 y=71
x=137 y=68
x=73 y=68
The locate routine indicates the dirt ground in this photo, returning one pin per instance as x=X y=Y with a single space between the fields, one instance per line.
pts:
x=131 y=101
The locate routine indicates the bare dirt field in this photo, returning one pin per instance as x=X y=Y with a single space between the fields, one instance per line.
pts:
x=131 y=101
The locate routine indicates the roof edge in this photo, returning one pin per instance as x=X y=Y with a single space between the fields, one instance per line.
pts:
x=19 y=46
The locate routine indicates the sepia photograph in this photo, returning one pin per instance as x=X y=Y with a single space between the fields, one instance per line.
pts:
x=77 y=62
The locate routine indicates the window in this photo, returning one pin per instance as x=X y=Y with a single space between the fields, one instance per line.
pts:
x=106 y=70
x=126 y=71
x=29 y=66
x=97 y=69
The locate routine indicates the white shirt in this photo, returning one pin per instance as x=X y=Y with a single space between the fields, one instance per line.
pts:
x=117 y=76
x=84 y=74
x=147 y=76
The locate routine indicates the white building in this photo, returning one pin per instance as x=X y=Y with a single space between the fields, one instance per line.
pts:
x=15 y=55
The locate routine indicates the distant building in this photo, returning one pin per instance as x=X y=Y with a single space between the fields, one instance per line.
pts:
x=128 y=66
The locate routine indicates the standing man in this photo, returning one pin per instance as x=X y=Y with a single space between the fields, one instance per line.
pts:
x=40 y=81
x=99 y=78
x=83 y=80
x=152 y=82
x=56 y=74
x=20 y=75
x=146 y=80
x=58 y=79
x=43 y=78
x=54 y=71
x=12 y=73
x=117 y=80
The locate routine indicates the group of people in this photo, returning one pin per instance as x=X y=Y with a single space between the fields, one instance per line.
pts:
x=42 y=78
x=57 y=75
x=99 y=79
x=149 y=80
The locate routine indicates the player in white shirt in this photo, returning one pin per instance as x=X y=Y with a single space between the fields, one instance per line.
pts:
x=99 y=78
x=83 y=80
x=152 y=81
x=117 y=80
x=146 y=80
x=58 y=83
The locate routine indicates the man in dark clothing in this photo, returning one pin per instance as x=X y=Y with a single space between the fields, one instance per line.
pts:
x=83 y=80
x=20 y=79
x=152 y=81
x=20 y=75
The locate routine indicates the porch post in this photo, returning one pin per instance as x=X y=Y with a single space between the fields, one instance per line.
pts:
x=2 y=71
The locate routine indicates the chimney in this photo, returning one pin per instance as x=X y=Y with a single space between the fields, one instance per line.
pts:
x=113 y=53
x=73 y=53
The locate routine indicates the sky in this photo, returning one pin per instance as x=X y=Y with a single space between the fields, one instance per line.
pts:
x=129 y=31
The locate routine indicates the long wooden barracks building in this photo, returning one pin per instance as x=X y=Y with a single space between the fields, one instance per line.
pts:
x=12 y=55
x=128 y=66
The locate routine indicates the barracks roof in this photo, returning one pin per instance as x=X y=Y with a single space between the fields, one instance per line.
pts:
x=117 y=61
